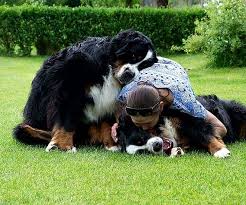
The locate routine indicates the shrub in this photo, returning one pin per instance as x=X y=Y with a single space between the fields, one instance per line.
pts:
x=51 y=28
x=221 y=35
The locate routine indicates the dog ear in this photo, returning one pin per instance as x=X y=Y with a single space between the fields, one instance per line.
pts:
x=124 y=130
x=122 y=50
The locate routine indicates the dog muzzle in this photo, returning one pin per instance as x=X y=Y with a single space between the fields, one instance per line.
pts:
x=155 y=145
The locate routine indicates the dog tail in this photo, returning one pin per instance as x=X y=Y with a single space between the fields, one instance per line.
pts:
x=31 y=136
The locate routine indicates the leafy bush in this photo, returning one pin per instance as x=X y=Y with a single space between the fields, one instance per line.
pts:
x=51 y=28
x=222 y=34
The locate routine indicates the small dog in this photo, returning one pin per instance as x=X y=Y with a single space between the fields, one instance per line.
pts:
x=177 y=132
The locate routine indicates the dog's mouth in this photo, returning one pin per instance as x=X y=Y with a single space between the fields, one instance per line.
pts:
x=154 y=145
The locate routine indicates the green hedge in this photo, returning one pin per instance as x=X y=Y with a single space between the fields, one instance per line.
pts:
x=51 y=28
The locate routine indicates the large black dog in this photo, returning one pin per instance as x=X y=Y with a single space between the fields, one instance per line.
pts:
x=185 y=131
x=77 y=87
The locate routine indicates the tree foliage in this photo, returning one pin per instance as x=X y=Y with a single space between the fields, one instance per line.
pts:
x=222 y=34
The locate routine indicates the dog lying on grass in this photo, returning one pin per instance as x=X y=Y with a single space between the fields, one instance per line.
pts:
x=177 y=132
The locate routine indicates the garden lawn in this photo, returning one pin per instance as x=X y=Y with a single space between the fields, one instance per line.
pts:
x=29 y=175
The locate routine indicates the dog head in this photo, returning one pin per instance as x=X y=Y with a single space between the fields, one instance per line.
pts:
x=130 y=52
x=135 y=140
x=140 y=141
x=152 y=145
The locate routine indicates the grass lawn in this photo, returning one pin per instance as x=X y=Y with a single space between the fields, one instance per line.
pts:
x=93 y=176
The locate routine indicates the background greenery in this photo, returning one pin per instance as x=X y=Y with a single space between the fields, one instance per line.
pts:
x=103 y=3
x=221 y=34
x=93 y=176
x=52 y=28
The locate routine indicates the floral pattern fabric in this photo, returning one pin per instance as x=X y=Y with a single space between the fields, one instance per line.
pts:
x=170 y=75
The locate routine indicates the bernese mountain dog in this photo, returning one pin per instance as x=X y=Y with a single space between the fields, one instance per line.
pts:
x=177 y=132
x=73 y=95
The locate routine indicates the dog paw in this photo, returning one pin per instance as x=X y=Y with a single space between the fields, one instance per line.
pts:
x=113 y=148
x=176 y=152
x=222 y=153
x=72 y=150
x=52 y=146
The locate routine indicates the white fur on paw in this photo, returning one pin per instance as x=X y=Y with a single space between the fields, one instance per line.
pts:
x=113 y=148
x=176 y=152
x=222 y=153
x=51 y=146
x=72 y=150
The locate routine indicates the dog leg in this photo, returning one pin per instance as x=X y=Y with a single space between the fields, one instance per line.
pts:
x=217 y=148
x=61 y=139
x=102 y=134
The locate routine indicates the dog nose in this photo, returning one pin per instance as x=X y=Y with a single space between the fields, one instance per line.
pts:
x=157 y=146
x=127 y=76
x=129 y=73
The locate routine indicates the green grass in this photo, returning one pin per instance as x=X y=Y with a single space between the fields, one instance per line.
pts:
x=93 y=176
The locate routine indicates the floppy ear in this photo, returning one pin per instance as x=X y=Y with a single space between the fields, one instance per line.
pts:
x=122 y=50
x=124 y=130
x=121 y=132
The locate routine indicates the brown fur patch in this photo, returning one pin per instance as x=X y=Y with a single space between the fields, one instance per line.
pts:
x=117 y=66
x=62 y=138
x=36 y=133
x=215 y=145
x=101 y=134
x=175 y=121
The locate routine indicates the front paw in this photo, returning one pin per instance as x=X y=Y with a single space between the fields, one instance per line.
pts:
x=113 y=148
x=176 y=152
x=222 y=153
x=53 y=146
x=61 y=139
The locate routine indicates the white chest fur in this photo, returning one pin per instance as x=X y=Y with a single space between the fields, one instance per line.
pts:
x=169 y=131
x=104 y=98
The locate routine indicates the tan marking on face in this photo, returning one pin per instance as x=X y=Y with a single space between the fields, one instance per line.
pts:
x=117 y=66
x=215 y=145
x=175 y=121
x=101 y=134
x=62 y=138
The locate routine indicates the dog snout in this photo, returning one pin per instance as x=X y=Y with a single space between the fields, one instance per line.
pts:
x=127 y=76
x=129 y=73
x=157 y=146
